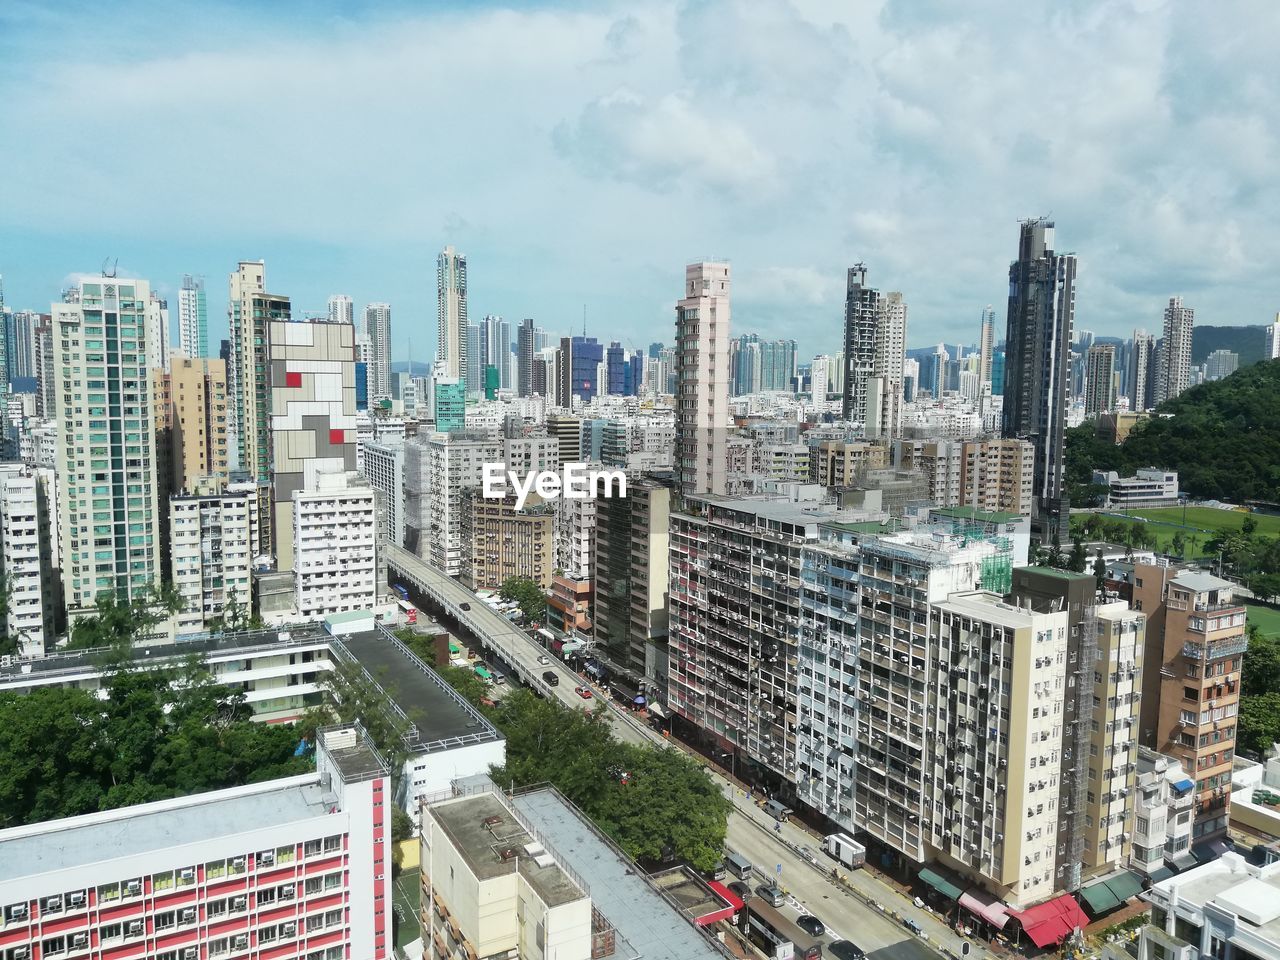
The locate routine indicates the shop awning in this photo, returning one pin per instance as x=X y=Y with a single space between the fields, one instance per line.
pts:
x=1160 y=874
x=638 y=701
x=658 y=710
x=1183 y=860
x=1110 y=892
x=1051 y=922
x=985 y=907
x=940 y=883
x=724 y=913
x=1184 y=785
x=1204 y=852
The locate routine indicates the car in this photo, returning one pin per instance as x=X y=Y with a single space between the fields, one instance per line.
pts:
x=845 y=950
x=583 y=692
x=740 y=889
x=464 y=606
x=550 y=678
x=543 y=658
x=770 y=893
x=811 y=925
x=809 y=854
x=913 y=926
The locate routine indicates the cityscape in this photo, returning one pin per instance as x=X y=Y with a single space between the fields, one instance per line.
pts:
x=818 y=611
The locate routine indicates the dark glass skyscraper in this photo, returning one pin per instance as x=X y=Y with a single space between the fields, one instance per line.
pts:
x=1037 y=373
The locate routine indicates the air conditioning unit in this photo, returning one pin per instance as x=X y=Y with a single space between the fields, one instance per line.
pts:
x=135 y=928
x=290 y=930
x=241 y=942
x=188 y=915
x=288 y=892
x=133 y=888
x=53 y=904
x=76 y=899
x=79 y=941
x=239 y=903
x=238 y=864
x=18 y=912
x=191 y=953
x=187 y=876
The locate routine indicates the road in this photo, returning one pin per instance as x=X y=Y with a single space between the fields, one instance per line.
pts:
x=750 y=829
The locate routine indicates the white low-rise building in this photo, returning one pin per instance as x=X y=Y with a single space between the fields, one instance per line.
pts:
x=29 y=556
x=211 y=546
x=1148 y=487
x=1165 y=794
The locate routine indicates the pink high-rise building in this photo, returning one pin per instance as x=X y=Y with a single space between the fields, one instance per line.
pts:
x=702 y=378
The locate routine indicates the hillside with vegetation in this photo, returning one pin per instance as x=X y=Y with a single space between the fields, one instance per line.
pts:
x=1248 y=342
x=1223 y=438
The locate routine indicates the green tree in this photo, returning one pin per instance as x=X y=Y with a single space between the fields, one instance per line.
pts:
x=352 y=695
x=1100 y=571
x=1265 y=586
x=1259 y=722
x=527 y=593
x=1260 y=674
x=1248 y=525
x=1078 y=556
x=1179 y=544
x=120 y=622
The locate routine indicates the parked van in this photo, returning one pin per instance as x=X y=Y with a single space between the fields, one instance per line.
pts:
x=551 y=678
x=779 y=811
x=737 y=864
x=497 y=677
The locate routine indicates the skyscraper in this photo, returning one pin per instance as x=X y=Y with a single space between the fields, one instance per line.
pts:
x=495 y=348
x=106 y=441
x=46 y=380
x=193 y=318
x=451 y=293
x=702 y=378
x=1220 y=364
x=526 y=349
x=246 y=280
x=341 y=309
x=473 y=363
x=1142 y=372
x=310 y=412
x=1272 y=346
x=1038 y=363
x=987 y=343
x=1174 y=372
x=1100 y=379
x=875 y=329
x=615 y=360
x=377 y=324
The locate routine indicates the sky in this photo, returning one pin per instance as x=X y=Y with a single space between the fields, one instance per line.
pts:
x=580 y=154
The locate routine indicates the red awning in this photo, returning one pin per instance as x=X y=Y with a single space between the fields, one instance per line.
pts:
x=729 y=897
x=1051 y=922
x=985 y=907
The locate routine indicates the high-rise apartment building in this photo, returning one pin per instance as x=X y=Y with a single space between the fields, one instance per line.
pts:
x=1037 y=373
x=987 y=343
x=311 y=411
x=1100 y=380
x=211 y=549
x=839 y=463
x=193 y=318
x=938 y=461
x=30 y=557
x=449 y=404
x=998 y=476
x=195 y=421
x=500 y=542
x=341 y=309
x=451 y=311
x=298 y=866
x=579 y=371
x=20 y=351
x=1142 y=372
x=377 y=324
x=632 y=558
x=251 y=309
x=495 y=348
x=875 y=330
x=46 y=379
x=702 y=378
x=384 y=468
x=1220 y=364
x=438 y=468
x=1271 y=342
x=1196 y=632
x=575 y=537
x=1173 y=374
x=526 y=350
x=334 y=544
x=108 y=509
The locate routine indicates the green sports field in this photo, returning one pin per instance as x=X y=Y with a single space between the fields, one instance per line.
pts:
x=1267 y=619
x=1202 y=525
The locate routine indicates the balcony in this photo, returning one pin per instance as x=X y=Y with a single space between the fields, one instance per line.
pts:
x=1216 y=649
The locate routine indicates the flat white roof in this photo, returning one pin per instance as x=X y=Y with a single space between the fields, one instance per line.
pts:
x=81 y=841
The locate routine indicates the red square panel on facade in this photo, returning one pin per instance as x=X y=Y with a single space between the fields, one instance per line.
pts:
x=293 y=379
x=337 y=436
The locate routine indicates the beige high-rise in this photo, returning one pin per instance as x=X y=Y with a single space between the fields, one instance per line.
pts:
x=192 y=408
x=702 y=379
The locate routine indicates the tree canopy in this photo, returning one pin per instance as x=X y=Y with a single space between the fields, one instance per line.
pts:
x=527 y=593
x=155 y=734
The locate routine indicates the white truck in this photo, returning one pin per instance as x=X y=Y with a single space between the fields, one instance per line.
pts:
x=847 y=850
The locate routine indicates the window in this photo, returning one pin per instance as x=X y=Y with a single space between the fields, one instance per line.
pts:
x=1190 y=693
x=332 y=844
x=311 y=848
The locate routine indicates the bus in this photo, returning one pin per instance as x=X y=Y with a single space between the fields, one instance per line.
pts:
x=409 y=610
x=401 y=590
x=777 y=936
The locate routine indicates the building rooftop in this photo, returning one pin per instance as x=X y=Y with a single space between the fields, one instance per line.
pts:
x=1249 y=892
x=1200 y=582
x=352 y=754
x=440 y=715
x=973 y=513
x=80 y=841
x=651 y=925
x=989 y=607
x=494 y=844
x=1054 y=573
